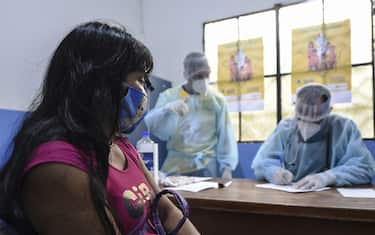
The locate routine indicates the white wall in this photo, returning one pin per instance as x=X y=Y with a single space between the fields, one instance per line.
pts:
x=31 y=29
x=173 y=28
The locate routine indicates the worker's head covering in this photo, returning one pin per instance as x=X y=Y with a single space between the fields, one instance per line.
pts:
x=194 y=63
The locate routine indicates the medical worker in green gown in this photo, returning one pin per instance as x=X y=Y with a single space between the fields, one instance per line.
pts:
x=193 y=118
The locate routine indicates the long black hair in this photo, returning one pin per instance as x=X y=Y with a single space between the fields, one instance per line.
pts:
x=78 y=103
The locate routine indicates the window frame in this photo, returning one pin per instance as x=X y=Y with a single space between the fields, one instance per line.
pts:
x=278 y=73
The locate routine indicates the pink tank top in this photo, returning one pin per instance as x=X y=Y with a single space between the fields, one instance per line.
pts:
x=128 y=190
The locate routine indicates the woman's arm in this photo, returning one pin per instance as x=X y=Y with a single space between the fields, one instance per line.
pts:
x=170 y=215
x=57 y=200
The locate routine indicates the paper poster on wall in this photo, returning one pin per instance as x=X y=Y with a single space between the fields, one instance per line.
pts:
x=322 y=55
x=241 y=75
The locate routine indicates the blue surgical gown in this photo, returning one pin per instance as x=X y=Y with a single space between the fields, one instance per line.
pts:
x=338 y=147
x=201 y=139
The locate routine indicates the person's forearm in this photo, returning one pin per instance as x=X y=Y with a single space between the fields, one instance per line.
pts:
x=265 y=169
x=162 y=124
x=169 y=214
x=172 y=220
x=349 y=175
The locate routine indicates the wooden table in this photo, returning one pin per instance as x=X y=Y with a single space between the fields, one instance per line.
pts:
x=243 y=208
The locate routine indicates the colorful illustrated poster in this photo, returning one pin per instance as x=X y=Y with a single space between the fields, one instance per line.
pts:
x=322 y=55
x=241 y=75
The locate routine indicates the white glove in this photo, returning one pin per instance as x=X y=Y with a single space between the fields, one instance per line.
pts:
x=178 y=106
x=316 y=181
x=282 y=177
x=227 y=173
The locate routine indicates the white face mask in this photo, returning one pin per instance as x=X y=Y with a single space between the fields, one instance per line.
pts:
x=201 y=86
x=308 y=129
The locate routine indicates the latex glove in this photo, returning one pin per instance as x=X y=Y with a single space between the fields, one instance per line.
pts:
x=227 y=173
x=178 y=106
x=282 y=177
x=316 y=181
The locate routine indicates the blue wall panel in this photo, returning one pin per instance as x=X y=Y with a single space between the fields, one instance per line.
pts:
x=9 y=123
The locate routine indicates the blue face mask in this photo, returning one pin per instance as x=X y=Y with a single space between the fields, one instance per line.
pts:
x=132 y=110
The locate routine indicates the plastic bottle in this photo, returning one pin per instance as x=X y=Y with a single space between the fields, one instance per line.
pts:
x=148 y=150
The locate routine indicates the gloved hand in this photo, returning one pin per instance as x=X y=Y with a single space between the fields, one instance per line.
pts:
x=316 y=181
x=282 y=177
x=178 y=106
x=227 y=173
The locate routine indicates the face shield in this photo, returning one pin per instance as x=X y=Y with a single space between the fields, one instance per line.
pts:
x=312 y=107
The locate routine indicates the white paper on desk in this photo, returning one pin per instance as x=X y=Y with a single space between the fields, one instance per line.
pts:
x=289 y=188
x=176 y=181
x=196 y=187
x=357 y=192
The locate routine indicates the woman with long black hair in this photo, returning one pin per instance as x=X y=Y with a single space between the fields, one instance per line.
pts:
x=72 y=171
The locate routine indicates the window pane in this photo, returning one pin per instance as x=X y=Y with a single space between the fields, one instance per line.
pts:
x=334 y=10
x=287 y=109
x=234 y=117
x=360 y=110
x=257 y=125
x=251 y=28
x=291 y=18
x=359 y=14
x=217 y=33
